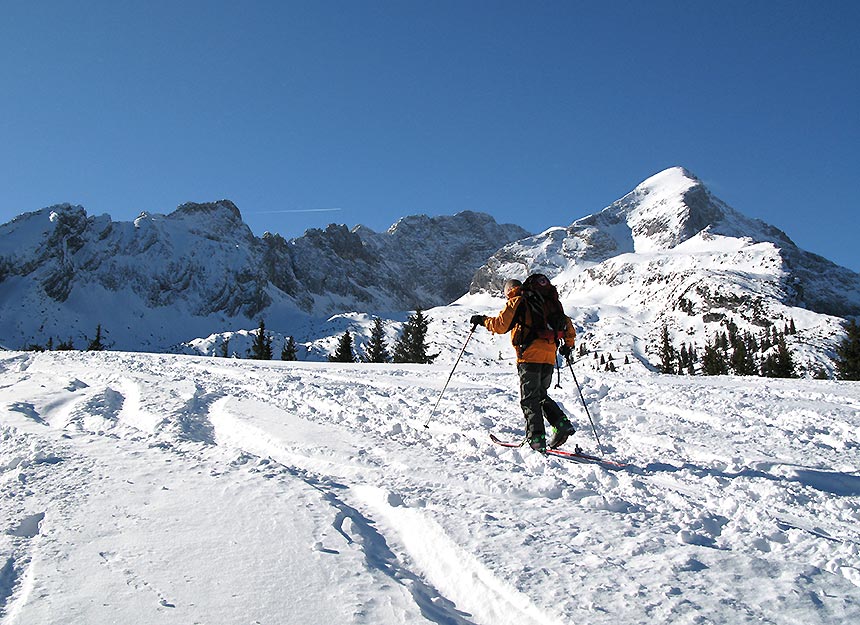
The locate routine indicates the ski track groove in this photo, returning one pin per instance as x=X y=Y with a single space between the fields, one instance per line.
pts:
x=693 y=495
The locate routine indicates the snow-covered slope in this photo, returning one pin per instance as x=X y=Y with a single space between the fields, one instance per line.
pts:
x=164 y=279
x=144 y=489
x=671 y=252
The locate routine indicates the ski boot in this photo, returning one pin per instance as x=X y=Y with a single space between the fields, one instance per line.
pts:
x=561 y=432
x=538 y=443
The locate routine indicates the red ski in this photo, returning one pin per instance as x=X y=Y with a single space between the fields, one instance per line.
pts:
x=577 y=455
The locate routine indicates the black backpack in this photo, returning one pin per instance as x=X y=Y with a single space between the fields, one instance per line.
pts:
x=540 y=314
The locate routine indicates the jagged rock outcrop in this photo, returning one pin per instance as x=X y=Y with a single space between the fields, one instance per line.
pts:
x=201 y=264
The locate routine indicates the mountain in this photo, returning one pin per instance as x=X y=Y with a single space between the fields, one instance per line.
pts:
x=163 y=279
x=419 y=262
x=671 y=252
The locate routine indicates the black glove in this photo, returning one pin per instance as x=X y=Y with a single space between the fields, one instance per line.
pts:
x=477 y=320
x=565 y=350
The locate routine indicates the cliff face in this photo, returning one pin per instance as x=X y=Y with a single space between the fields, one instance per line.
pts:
x=202 y=264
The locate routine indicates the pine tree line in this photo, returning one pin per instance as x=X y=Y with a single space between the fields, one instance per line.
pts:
x=411 y=346
x=605 y=360
x=732 y=351
x=95 y=344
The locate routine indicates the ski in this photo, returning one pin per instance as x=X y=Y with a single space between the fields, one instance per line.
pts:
x=579 y=456
x=576 y=456
x=498 y=441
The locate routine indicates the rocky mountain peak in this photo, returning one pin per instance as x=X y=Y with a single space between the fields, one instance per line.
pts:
x=224 y=209
x=202 y=264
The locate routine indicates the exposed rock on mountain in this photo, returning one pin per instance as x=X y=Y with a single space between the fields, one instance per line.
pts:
x=671 y=252
x=170 y=277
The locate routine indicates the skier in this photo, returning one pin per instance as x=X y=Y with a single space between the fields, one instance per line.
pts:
x=536 y=321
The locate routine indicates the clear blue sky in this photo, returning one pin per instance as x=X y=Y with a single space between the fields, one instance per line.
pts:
x=535 y=112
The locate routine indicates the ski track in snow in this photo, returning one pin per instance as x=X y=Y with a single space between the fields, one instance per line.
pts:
x=143 y=488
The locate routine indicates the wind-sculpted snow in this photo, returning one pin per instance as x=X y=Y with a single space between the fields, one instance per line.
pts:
x=141 y=488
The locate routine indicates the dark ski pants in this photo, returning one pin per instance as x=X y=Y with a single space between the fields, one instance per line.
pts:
x=535 y=379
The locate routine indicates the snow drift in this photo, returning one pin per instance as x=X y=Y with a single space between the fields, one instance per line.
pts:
x=143 y=488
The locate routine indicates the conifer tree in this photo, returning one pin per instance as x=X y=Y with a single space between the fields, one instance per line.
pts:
x=765 y=342
x=261 y=348
x=377 y=349
x=724 y=342
x=65 y=346
x=779 y=363
x=784 y=362
x=667 y=352
x=96 y=345
x=412 y=345
x=683 y=357
x=733 y=332
x=225 y=347
x=289 y=351
x=344 y=352
x=738 y=359
x=848 y=353
x=713 y=361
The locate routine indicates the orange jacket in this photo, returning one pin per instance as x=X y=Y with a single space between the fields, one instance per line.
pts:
x=540 y=350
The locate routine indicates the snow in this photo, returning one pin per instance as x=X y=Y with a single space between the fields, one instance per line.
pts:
x=151 y=488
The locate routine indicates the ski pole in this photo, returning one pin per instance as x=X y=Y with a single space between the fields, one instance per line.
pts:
x=593 y=429
x=450 y=375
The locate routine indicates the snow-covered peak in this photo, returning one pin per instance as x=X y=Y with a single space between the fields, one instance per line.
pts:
x=672 y=252
x=674 y=179
x=663 y=211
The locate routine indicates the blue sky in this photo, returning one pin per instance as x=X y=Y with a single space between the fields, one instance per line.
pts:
x=536 y=112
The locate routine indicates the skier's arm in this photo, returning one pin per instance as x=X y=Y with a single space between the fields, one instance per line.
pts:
x=503 y=322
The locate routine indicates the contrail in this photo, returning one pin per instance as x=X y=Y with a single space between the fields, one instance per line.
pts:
x=297 y=210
